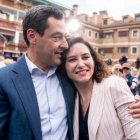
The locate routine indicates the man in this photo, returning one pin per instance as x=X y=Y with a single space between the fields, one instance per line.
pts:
x=36 y=102
x=2 y=46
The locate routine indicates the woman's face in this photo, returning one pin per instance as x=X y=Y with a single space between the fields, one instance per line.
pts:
x=79 y=63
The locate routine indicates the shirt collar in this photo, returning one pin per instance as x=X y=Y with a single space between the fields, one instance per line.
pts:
x=34 y=70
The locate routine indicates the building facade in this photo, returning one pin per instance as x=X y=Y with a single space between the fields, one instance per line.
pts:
x=111 y=38
x=11 y=15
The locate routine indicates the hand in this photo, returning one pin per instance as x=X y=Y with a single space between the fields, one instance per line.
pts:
x=134 y=108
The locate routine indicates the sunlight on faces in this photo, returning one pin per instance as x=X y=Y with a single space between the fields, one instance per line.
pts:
x=79 y=63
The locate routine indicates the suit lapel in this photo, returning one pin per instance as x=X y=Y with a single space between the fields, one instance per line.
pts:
x=95 y=110
x=68 y=93
x=24 y=85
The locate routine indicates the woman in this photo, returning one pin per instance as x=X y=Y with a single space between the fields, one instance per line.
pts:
x=101 y=100
x=116 y=70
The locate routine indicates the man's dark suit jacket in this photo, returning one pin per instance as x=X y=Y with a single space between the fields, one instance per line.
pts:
x=19 y=112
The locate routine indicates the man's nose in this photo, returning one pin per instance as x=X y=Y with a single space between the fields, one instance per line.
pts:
x=64 y=43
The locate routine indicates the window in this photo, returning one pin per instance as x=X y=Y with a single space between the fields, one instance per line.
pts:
x=9 y=38
x=105 y=50
x=134 y=49
x=137 y=18
x=101 y=51
x=125 y=20
x=123 y=33
x=89 y=33
x=135 y=33
x=122 y=50
x=101 y=35
x=108 y=35
x=86 y=18
x=105 y=22
x=96 y=35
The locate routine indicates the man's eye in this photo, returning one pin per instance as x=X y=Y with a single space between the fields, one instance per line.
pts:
x=57 y=38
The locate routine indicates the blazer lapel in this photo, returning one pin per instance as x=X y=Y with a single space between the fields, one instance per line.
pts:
x=76 y=119
x=24 y=85
x=95 y=110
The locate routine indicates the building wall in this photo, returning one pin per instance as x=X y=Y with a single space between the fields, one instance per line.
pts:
x=11 y=15
x=112 y=39
x=100 y=30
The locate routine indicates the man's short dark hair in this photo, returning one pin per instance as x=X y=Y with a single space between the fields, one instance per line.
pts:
x=37 y=18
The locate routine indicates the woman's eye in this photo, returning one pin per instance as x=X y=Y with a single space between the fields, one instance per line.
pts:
x=86 y=57
x=71 y=60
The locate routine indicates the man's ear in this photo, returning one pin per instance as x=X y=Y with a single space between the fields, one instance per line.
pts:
x=31 y=35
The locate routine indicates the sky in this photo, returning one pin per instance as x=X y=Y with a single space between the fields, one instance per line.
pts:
x=115 y=8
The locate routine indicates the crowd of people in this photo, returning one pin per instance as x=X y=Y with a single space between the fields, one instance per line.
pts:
x=131 y=75
x=62 y=90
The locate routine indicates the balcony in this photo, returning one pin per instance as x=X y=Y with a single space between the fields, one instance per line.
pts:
x=106 y=40
x=6 y=24
x=23 y=6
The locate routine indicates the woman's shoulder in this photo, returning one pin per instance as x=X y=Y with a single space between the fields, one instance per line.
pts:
x=112 y=79
x=118 y=89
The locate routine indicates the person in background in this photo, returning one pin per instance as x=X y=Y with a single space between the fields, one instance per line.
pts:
x=134 y=108
x=139 y=82
x=36 y=102
x=2 y=46
x=116 y=70
x=101 y=100
x=134 y=72
x=109 y=69
x=130 y=79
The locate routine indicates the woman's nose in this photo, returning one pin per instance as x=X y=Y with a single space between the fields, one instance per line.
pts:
x=81 y=63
